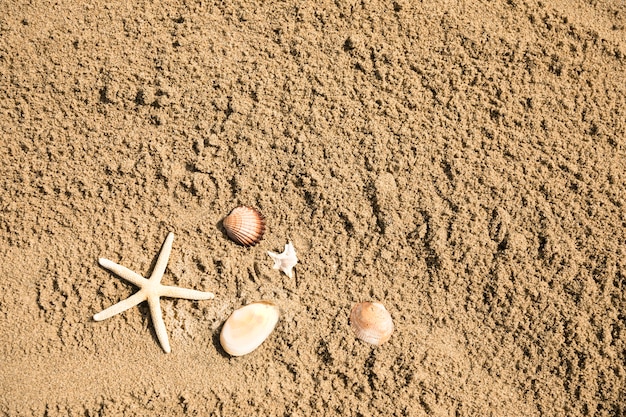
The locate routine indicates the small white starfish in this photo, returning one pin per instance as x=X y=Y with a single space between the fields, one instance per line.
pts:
x=151 y=290
x=285 y=261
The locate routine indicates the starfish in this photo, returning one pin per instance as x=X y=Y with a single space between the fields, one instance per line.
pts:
x=150 y=290
x=285 y=261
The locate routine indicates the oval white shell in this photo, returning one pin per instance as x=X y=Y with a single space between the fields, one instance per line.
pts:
x=371 y=322
x=248 y=327
x=245 y=225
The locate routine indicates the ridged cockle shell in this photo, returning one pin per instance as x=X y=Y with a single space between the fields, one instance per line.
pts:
x=248 y=327
x=245 y=225
x=371 y=322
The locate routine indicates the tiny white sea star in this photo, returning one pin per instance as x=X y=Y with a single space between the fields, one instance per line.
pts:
x=150 y=290
x=285 y=261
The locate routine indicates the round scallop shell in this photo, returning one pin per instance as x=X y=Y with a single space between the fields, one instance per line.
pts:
x=371 y=322
x=248 y=327
x=245 y=225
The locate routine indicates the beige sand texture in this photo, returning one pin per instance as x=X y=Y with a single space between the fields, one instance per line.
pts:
x=463 y=162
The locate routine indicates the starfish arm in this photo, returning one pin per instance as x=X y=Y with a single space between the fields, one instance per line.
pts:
x=158 y=323
x=122 y=272
x=276 y=258
x=164 y=256
x=290 y=251
x=289 y=272
x=177 y=292
x=123 y=305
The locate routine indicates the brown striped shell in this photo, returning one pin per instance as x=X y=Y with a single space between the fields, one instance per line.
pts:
x=371 y=322
x=245 y=225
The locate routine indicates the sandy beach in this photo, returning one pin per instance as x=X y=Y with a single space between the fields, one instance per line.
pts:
x=463 y=163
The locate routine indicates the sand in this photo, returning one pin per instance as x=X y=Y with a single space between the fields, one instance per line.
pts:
x=461 y=162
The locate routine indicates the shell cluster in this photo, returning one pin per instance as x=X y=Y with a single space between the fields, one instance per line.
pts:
x=248 y=327
x=245 y=225
x=371 y=322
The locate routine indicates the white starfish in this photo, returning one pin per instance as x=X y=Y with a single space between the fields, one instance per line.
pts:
x=285 y=261
x=151 y=290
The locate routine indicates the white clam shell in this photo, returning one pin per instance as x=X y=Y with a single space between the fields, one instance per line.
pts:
x=371 y=322
x=248 y=327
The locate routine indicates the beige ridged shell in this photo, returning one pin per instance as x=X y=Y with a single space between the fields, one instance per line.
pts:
x=245 y=225
x=248 y=327
x=371 y=322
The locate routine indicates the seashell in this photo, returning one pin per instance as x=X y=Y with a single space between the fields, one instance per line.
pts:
x=371 y=322
x=248 y=327
x=245 y=225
